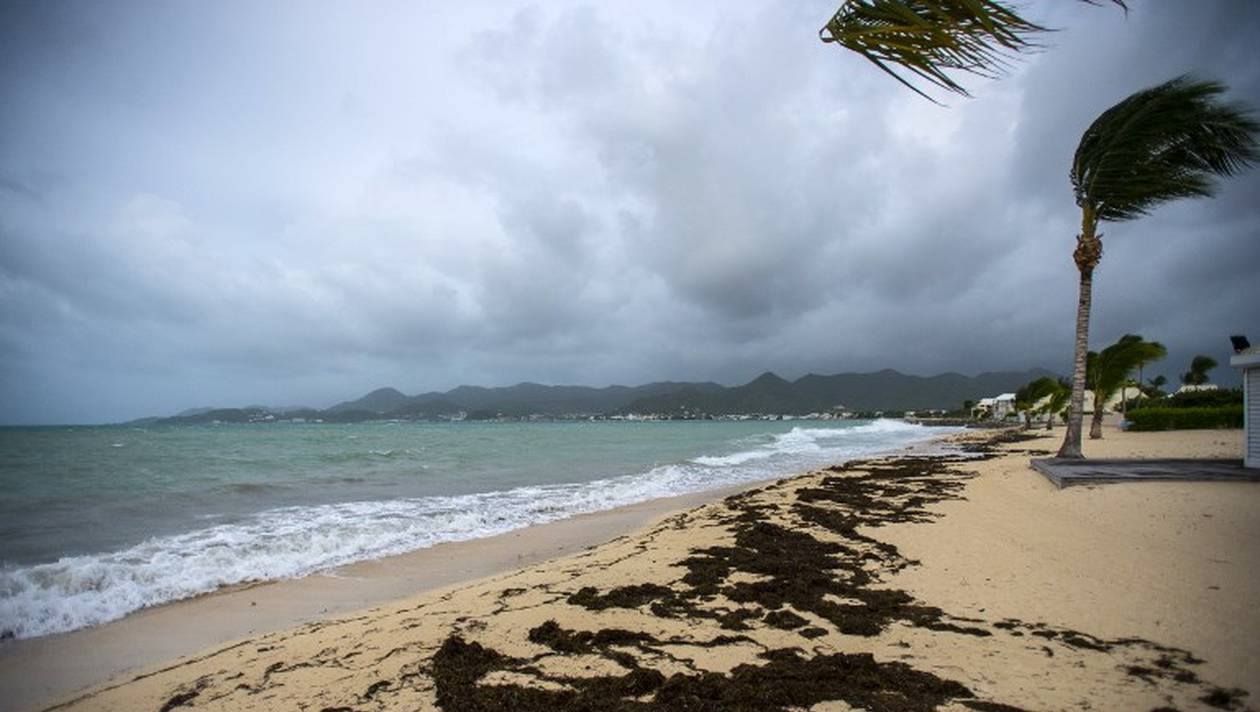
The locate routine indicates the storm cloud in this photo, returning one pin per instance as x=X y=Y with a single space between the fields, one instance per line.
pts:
x=232 y=203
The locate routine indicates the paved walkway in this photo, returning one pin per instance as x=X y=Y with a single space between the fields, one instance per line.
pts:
x=1065 y=473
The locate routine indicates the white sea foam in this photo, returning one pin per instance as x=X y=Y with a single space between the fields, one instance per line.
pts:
x=286 y=542
x=832 y=442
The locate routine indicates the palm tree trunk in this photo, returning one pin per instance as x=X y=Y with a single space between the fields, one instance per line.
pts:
x=1072 y=439
x=1088 y=252
x=1095 y=421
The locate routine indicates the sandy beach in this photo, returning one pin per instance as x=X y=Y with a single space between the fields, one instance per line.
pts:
x=917 y=582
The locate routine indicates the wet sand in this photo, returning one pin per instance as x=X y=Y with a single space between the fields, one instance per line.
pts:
x=909 y=583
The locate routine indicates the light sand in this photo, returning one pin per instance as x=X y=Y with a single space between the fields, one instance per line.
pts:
x=1079 y=573
x=1174 y=562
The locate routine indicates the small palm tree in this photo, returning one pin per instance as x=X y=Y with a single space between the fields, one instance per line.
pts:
x=1154 y=387
x=1060 y=393
x=1166 y=142
x=1110 y=369
x=1026 y=404
x=1143 y=361
x=1198 y=373
x=1052 y=393
x=932 y=38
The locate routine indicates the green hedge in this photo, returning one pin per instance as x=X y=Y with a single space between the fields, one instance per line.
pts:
x=1229 y=416
x=1198 y=399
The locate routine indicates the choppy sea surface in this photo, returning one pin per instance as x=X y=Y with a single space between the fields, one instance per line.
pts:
x=97 y=522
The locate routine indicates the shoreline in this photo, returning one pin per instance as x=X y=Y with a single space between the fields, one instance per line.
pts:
x=100 y=654
x=1003 y=590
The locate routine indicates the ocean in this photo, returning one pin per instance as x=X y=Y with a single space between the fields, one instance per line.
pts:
x=98 y=522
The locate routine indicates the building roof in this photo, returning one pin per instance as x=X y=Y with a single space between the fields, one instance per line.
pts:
x=1246 y=358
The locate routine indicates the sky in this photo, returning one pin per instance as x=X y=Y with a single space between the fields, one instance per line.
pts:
x=220 y=204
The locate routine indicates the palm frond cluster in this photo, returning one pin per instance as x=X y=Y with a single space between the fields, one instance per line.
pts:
x=932 y=38
x=1166 y=142
x=1110 y=368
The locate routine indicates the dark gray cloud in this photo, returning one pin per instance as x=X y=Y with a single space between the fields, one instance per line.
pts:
x=240 y=203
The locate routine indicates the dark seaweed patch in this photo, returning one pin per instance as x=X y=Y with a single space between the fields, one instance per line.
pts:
x=374 y=688
x=985 y=706
x=990 y=445
x=620 y=597
x=179 y=700
x=736 y=619
x=1226 y=699
x=786 y=680
x=785 y=620
x=563 y=640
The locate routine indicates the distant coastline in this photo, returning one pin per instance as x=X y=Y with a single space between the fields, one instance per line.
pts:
x=886 y=393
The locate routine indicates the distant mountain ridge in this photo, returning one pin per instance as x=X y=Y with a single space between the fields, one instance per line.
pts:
x=886 y=390
x=521 y=399
x=381 y=400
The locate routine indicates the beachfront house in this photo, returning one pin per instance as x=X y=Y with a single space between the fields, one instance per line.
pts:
x=1248 y=359
x=1003 y=406
x=995 y=408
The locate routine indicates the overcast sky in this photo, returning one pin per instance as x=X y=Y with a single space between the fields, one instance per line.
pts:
x=294 y=203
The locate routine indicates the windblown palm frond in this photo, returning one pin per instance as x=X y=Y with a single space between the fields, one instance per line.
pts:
x=931 y=38
x=1166 y=142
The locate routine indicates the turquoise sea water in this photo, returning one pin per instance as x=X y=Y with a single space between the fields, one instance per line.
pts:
x=96 y=522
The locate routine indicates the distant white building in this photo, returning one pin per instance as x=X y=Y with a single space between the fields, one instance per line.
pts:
x=1003 y=405
x=1249 y=361
x=1112 y=404
x=1188 y=388
x=995 y=408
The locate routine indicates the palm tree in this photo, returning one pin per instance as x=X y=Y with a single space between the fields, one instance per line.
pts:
x=1054 y=391
x=1198 y=373
x=1166 y=142
x=1025 y=404
x=1142 y=363
x=1109 y=370
x=1154 y=387
x=1060 y=394
x=931 y=38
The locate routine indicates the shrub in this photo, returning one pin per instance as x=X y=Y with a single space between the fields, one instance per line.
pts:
x=1195 y=399
x=1206 y=399
x=1228 y=416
